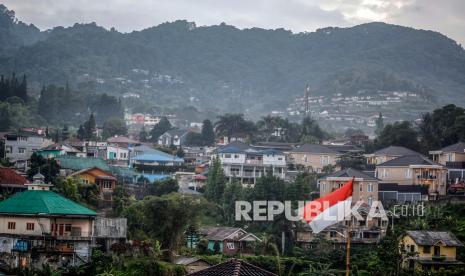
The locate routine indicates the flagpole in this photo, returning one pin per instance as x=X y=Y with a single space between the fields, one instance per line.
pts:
x=348 y=228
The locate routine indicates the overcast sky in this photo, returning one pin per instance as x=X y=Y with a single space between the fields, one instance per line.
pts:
x=445 y=16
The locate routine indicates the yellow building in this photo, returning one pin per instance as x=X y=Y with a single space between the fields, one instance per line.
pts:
x=414 y=170
x=314 y=157
x=105 y=181
x=388 y=153
x=429 y=250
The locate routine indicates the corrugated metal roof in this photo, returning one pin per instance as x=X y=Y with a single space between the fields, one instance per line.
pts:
x=80 y=163
x=42 y=202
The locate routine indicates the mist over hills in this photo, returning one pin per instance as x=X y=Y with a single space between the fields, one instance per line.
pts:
x=225 y=68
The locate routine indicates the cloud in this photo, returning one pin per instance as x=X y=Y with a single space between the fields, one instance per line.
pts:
x=296 y=15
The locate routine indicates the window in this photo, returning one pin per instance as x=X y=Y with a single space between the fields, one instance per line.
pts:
x=360 y=187
x=385 y=173
x=408 y=173
x=325 y=160
x=67 y=227
x=21 y=150
x=227 y=156
x=427 y=249
x=332 y=234
x=9 y=149
x=11 y=225
x=370 y=187
x=236 y=156
x=370 y=201
x=30 y=226
x=230 y=245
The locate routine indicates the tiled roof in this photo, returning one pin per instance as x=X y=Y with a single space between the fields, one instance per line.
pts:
x=433 y=237
x=457 y=147
x=349 y=172
x=218 y=233
x=34 y=202
x=315 y=148
x=10 y=176
x=233 y=267
x=408 y=160
x=79 y=163
x=395 y=151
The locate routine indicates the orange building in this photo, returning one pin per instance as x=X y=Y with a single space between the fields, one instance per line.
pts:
x=105 y=181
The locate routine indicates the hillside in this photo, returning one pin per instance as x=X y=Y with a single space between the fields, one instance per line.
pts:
x=228 y=68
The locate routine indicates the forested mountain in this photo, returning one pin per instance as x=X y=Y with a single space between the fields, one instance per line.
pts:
x=229 y=68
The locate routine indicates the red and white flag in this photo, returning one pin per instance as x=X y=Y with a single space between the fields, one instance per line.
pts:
x=330 y=209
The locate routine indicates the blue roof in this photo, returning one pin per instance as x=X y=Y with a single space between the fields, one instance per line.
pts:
x=157 y=156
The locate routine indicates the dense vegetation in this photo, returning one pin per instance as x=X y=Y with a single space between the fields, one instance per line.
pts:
x=179 y=60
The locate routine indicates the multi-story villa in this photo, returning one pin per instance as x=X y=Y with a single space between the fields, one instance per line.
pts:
x=365 y=186
x=414 y=170
x=38 y=226
x=453 y=157
x=246 y=163
x=313 y=157
x=388 y=153
x=20 y=146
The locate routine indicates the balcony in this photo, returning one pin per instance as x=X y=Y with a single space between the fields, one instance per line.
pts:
x=253 y=162
x=455 y=165
x=73 y=236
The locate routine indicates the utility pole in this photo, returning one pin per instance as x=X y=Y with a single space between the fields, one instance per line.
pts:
x=307 y=95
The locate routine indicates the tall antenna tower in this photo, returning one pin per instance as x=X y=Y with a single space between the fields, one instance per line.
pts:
x=307 y=95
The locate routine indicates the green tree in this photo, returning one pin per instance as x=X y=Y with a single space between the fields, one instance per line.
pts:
x=65 y=133
x=443 y=127
x=163 y=126
x=379 y=124
x=230 y=124
x=164 y=218
x=163 y=187
x=90 y=128
x=208 y=135
x=351 y=160
x=216 y=182
x=311 y=131
x=399 y=134
x=114 y=126
x=143 y=135
x=47 y=167
x=232 y=193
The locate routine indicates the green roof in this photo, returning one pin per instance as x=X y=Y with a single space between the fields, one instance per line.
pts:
x=34 y=202
x=80 y=163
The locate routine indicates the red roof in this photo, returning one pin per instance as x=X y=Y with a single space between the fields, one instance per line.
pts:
x=10 y=176
x=200 y=177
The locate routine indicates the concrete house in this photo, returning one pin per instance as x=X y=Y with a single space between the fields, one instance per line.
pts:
x=246 y=163
x=313 y=156
x=229 y=240
x=414 y=170
x=388 y=153
x=38 y=220
x=174 y=137
x=429 y=250
x=20 y=146
x=453 y=157
x=365 y=186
